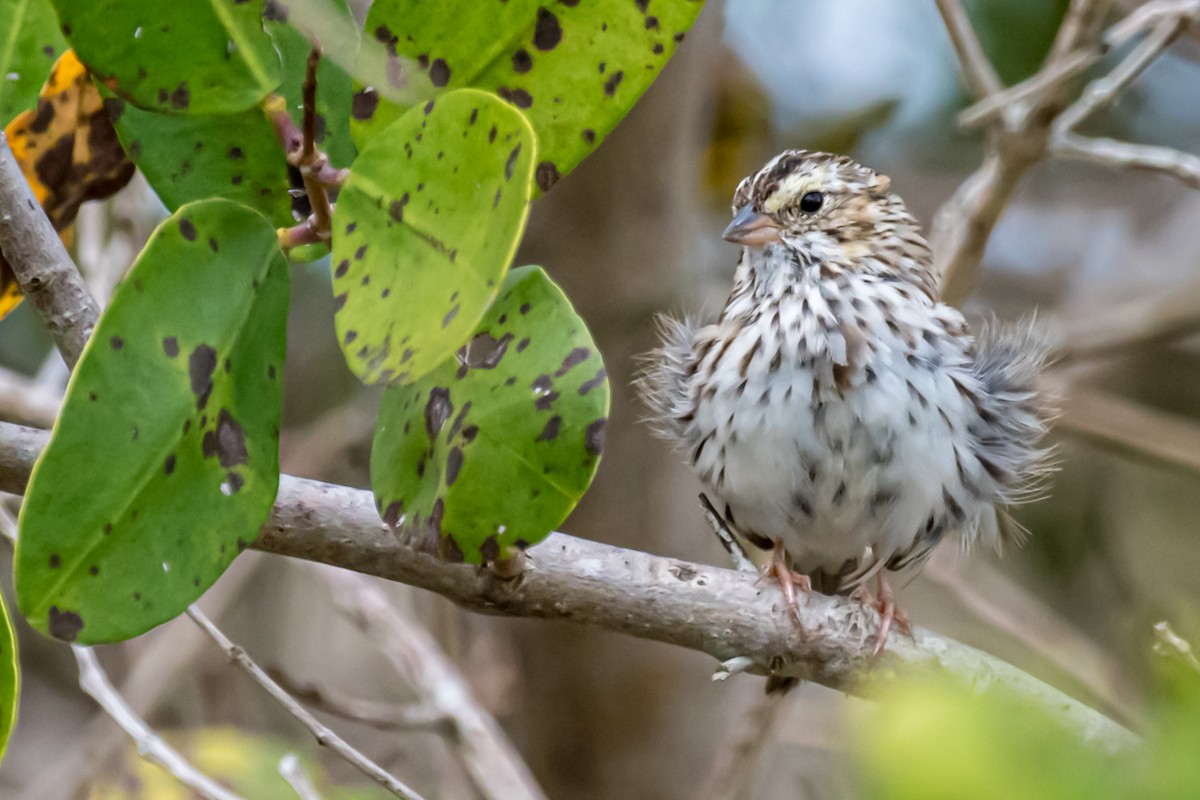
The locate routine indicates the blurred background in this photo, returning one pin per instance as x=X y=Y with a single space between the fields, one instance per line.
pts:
x=1108 y=259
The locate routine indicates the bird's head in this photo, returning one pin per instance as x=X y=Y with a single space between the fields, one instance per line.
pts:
x=826 y=209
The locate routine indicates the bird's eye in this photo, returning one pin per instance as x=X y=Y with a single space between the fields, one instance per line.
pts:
x=811 y=202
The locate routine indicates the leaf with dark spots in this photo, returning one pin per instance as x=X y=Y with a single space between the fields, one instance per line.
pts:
x=227 y=442
x=547 y=33
x=454 y=460
x=546 y=175
x=116 y=342
x=186 y=408
x=513 y=419
x=512 y=159
x=423 y=231
x=573 y=358
x=600 y=379
x=614 y=80
x=64 y=625
x=540 y=56
x=551 y=430
x=437 y=410
x=201 y=364
x=439 y=72
x=363 y=104
x=594 y=436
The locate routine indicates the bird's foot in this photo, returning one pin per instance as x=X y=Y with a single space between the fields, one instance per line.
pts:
x=889 y=614
x=789 y=581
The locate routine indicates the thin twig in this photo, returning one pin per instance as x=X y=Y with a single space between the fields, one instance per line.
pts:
x=324 y=736
x=293 y=772
x=493 y=763
x=41 y=264
x=311 y=159
x=1042 y=82
x=384 y=716
x=1132 y=428
x=151 y=746
x=1165 y=161
x=976 y=68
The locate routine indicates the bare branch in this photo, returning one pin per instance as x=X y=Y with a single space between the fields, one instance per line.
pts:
x=726 y=614
x=292 y=772
x=384 y=716
x=733 y=769
x=324 y=736
x=1041 y=83
x=977 y=69
x=493 y=763
x=43 y=268
x=1081 y=25
x=312 y=161
x=151 y=746
x=1132 y=428
x=1166 y=161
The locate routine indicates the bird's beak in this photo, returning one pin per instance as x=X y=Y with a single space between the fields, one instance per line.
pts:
x=751 y=228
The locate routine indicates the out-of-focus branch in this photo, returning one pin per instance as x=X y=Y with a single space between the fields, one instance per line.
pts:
x=1132 y=428
x=25 y=402
x=977 y=70
x=733 y=769
x=384 y=716
x=43 y=268
x=292 y=772
x=494 y=765
x=150 y=746
x=1027 y=122
x=324 y=736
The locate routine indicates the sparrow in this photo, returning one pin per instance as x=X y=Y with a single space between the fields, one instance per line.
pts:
x=837 y=412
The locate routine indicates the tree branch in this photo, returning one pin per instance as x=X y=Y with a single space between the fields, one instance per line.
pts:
x=726 y=614
x=324 y=736
x=977 y=70
x=43 y=268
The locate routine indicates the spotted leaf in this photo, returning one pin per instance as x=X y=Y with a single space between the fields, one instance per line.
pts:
x=185 y=158
x=182 y=56
x=424 y=230
x=165 y=461
x=575 y=69
x=33 y=43
x=10 y=679
x=493 y=449
x=67 y=151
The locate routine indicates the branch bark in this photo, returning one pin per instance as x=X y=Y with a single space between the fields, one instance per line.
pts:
x=43 y=268
x=727 y=614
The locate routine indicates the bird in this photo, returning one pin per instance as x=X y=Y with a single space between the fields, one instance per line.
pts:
x=838 y=412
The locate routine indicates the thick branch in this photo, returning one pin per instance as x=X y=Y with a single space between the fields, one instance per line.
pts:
x=42 y=266
x=726 y=614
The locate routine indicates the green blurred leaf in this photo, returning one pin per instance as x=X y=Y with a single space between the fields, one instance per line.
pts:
x=927 y=741
x=185 y=158
x=574 y=68
x=334 y=87
x=164 y=462
x=181 y=56
x=29 y=44
x=496 y=446
x=424 y=229
x=10 y=677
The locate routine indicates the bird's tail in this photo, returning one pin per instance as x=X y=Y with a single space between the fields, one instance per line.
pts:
x=662 y=382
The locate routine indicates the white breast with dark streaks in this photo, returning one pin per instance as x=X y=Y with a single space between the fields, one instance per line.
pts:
x=837 y=425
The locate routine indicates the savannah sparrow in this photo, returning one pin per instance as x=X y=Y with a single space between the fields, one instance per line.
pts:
x=838 y=412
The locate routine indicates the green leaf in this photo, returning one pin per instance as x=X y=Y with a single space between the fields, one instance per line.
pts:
x=334 y=88
x=165 y=459
x=29 y=44
x=10 y=677
x=936 y=741
x=574 y=68
x=424 y=229
x=236 y=156
x=181 y=56
x=494 y=448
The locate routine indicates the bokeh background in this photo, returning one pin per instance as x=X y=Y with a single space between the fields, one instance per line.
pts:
x=1110 y=261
